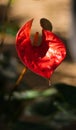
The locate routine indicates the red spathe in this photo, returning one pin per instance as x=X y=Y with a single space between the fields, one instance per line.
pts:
x=42 y=59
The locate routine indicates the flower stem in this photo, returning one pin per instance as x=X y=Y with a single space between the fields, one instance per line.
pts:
x=4 y=26
x=2 y=41
x=17 y=82
x=20 y=77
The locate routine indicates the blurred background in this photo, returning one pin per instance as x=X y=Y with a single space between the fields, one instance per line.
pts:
x=33 y=105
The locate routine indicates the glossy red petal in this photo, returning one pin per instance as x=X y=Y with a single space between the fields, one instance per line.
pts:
x=42 y=59
x=23 y=40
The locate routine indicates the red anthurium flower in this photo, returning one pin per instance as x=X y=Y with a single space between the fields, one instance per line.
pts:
x=41 y=59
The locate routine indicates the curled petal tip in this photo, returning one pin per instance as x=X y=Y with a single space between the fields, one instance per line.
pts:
x=24 y=31
x=27 y=26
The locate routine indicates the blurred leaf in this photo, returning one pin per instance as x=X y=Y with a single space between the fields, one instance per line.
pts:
x=49 y=92
x=10 y=29
x=25 y=95
x=31 y=94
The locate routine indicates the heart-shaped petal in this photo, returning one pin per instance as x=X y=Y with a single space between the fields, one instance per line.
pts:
x=42 y=59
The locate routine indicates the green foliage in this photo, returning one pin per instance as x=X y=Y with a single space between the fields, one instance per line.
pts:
x=12 y=30
x=32 y=94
